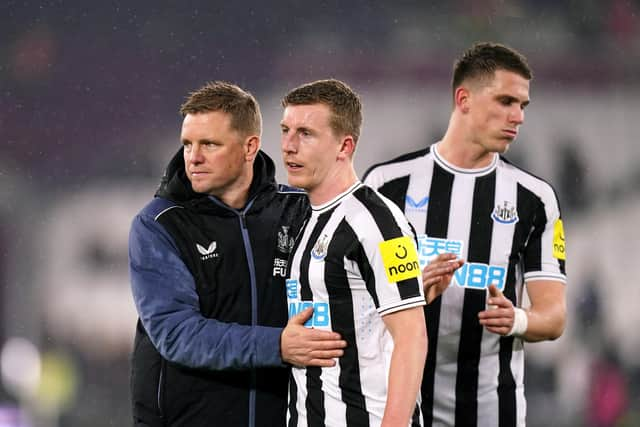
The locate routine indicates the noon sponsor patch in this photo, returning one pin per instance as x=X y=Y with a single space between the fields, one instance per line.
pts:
x=400 y=259
x=558 y=240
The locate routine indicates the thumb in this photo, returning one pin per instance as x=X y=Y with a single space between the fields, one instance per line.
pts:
x=494 y=291
x=302 y=317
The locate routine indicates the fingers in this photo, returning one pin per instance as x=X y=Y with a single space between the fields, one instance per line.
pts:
x=324 y=362
x=307 y=351
x=326 y=337
x=437 y=275
x=495 y=292
x=497 y=299
x=302 y=316
x=442 y=265
x=497 y=320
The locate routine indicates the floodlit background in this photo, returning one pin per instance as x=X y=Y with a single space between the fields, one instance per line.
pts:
x=89 y=94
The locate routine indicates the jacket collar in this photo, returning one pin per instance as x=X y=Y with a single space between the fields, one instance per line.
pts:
x=175 y=186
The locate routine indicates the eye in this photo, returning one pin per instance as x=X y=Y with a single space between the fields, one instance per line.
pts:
x=186 y=145
x=210 y=145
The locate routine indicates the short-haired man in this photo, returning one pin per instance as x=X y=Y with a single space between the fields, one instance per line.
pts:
x=466 y=201
x=356 y=264
x=208 y=261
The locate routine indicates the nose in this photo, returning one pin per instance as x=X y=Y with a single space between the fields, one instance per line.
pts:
x=194 y=154
x=516 y=115
x=288 y=143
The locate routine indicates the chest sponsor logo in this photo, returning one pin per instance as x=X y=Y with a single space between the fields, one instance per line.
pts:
x=321 y=316
x=279 y=267
x=411 y=204
x=472 y=275
x=208 y=252
x=285 y=242
x=505 y=213
x=558 y=240
x=399 y=258
x=319 y=250
x=431 y=247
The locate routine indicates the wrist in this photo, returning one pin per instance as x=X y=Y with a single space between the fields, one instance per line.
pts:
x=520 y=323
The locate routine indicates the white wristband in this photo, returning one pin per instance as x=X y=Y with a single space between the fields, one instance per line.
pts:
x=520 y=323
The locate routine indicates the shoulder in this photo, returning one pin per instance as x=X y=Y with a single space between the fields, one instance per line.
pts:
x=293 y=198
x=376 y=206
x=287 y=189
x=146 y=230
x=157 y=207
x=530 y=182
x=397 y=165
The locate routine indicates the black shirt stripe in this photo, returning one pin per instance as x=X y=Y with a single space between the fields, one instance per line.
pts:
x=389 y=228
x=474 y=301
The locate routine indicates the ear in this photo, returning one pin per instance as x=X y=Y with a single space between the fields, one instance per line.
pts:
x=461 y=99
x=251 y=147
x=347 y=147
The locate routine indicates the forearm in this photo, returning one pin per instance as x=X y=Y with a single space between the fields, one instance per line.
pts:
x=544 y=325
x=405 y=377
x=209 y=344
x=546 y=317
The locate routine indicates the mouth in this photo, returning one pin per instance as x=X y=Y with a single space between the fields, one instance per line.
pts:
x=292 y=166
x=510 y=133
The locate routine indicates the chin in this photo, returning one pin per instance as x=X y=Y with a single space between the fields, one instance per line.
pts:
x=294 y=181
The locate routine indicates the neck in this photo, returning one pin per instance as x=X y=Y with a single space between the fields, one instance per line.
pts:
x=332 y=186
x=458 y=148
x=237 y=193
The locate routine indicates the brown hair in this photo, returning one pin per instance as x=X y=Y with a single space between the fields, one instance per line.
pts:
x=344 y=103
x=228 y=98
x=483 y=59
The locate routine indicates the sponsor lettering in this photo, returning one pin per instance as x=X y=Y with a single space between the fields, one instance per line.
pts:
x=558 y=240
x=280 y=267
x=431 y=247
x=321 y=315
x=479 y=276
x=400 y=259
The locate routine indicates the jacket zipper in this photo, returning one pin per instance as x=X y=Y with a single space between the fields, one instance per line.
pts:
x=254 y=305
x=254 y=293
x=160 y=387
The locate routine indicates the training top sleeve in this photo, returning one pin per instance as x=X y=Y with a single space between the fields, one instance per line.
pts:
x=165 y=296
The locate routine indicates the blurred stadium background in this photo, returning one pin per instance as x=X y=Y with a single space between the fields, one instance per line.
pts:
x=89 y=94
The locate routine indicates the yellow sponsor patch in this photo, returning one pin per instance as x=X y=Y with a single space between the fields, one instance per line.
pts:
x=558 y=240
x=400 y=259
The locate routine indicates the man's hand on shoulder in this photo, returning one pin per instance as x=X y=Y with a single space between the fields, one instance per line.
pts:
x=301 y=346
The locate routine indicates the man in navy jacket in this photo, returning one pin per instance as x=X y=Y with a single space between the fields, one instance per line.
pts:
x=208 y=259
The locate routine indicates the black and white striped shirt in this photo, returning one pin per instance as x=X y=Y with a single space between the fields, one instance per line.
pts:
x=506 y=224
x=354 y=262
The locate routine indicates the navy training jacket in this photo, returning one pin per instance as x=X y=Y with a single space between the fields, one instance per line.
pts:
x=208 y=284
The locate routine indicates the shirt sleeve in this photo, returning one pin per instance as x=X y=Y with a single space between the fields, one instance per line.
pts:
x=544 y=257
x=165 y=296
x=390 y=246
